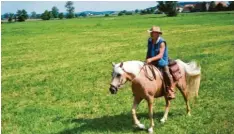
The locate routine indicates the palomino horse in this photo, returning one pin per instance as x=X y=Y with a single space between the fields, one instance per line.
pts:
x=144 y=88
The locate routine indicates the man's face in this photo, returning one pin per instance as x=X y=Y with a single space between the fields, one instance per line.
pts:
x=154 y=35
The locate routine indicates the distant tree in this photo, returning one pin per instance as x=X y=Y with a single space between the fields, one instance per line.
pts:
x=148 y=11
x=46 y=15
x=61 y=16
x=136 y=11
x=83 y=14
x=76 y=15
x=33 y=15
x=15 y=17
x=5 y=15
x=10 y=18
x=38 y=16
x=70 y=9
x=128 y=13
x=231 y=5
x=220 y=7
x=120 y=14
x=22 y=15
x=124 y=11
x=212 y=6
x=55 y=12
x=51 y=14
x=107 y=15
x=168 y=7
x=203 y=7
x=143 y=12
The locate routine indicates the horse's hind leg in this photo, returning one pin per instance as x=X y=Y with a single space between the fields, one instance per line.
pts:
x=137 y=123
x=166 y=110
x=183 y=89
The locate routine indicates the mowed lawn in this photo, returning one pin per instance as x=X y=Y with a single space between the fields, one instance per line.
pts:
x=56 y=74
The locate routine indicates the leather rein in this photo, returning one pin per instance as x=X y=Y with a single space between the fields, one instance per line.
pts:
x=151 y=68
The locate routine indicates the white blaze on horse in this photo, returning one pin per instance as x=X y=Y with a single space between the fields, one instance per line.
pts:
x=145 y=88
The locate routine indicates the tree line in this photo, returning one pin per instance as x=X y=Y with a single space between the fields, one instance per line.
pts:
x=22 y=15
x=167 y=7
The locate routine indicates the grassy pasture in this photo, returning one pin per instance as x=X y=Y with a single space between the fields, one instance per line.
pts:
x=56 y=74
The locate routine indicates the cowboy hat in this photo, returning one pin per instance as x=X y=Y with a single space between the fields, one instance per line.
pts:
x=155 y=29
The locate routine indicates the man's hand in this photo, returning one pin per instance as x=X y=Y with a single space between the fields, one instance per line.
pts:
x=148 y=61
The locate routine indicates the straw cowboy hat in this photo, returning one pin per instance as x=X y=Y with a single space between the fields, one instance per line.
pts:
x=155 y=29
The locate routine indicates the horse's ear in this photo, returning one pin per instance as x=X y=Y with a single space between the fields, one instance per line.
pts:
x=121 y=64
x=113 y=64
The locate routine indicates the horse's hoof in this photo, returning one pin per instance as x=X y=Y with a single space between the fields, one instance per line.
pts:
x=150 y=130
x=189 y=114
x=163 y=120
x=140 y=126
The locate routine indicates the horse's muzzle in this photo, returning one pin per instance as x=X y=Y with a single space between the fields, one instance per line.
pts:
x=113 y=89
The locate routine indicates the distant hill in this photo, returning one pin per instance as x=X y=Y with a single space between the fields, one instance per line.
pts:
x=97 y=13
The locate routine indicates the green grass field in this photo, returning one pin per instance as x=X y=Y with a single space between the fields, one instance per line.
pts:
x=56 y=74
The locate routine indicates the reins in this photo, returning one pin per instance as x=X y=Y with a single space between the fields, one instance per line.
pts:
x=151 y=68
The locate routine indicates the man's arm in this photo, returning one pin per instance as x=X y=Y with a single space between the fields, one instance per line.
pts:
x=160 y=55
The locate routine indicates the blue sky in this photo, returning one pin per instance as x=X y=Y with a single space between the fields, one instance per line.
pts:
x=41 y=6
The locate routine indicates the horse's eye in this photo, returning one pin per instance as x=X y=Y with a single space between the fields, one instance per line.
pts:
x=118 y=75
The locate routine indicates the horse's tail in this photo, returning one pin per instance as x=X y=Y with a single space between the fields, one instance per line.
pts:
x=193 y=77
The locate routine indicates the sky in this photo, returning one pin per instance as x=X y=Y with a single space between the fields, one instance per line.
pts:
x=41 y=6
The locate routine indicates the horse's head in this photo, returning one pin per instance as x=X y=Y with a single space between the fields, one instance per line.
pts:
x=118 y=78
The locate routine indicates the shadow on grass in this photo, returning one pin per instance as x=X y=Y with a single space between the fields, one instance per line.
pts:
x=109 y=124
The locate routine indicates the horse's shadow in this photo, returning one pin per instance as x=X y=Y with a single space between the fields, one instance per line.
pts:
x=107 y=124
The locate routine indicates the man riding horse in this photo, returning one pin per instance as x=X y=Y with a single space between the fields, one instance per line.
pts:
x=157 y=54
x=186 y=75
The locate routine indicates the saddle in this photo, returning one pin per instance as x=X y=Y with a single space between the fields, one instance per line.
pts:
x=173 y=68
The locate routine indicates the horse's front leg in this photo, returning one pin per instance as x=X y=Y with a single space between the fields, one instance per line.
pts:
x=150 y=106
x=166 y=110
x=137 y=123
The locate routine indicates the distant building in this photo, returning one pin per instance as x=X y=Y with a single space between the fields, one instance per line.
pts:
x=221 y=2
x=188 y=8
x=197 y=6
x=179 y=9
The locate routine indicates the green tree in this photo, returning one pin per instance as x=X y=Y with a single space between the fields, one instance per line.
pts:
x=231 y=5
x=143 y=12
x=22 y=15
x=83 y=14
x=107 y=15
x=212 y=6
x=10 y=18
x=6 y=15
x=46 y=15
x=51 y=14
x=38 y=16
x=124 y=11
x=120 y=14
x=70 y=9
x=33 y=15
x=55 y=12
x=168 y=7
x=136 y=11
x=203 y=6
x=61 y=16
x=128 y=13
